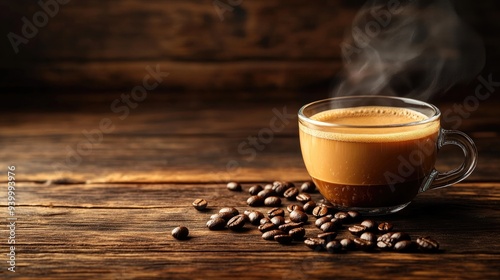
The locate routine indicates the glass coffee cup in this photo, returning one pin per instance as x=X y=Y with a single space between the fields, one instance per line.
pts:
x=374 y=154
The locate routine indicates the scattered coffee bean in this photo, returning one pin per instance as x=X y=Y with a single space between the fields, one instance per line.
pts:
x=316 y=244
x=303 y=197
x=320 y=211
x=233 y=211
x=267 y=227
x=180 y=232
x=324 y=202
x=255 y=201
x=275 y=212
x=327 y=236
x=355 y=215
x=291 y=193
x=272 y=201
x=357 y=229
x=288 y=226
x=336 y=222
x=265 y=220
x=224 y=215
x=289 y=184
x=342 y=216
x=278 y=220
x=216 y=224
x=385 y=227
x=293 y=207
x=328 y=227
x=280 y=187
x=309 y=206
x=237 y=222
x=363 y=244
x=283 y=239
x=269 y=235
x=347 y=244
x=399 y=236
x=200 y=204
x=234 y=186
x=405 y=246
x=369 y=236
x=370 y=225
x=254 y=217
x=308 y=187
x=266 y=193
x=384 y=245
x=298 y=216
x=255 y=189
x=321 y=221
x=334 y=246
x=268 y=187
x=297 y=233
x=427 y=244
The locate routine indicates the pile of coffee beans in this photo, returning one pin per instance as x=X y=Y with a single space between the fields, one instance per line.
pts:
x=288 y=225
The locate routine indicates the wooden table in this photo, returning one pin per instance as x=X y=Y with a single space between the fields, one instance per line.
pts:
x=104 y=206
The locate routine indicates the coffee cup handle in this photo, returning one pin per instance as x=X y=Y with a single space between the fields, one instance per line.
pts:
x=443 y=179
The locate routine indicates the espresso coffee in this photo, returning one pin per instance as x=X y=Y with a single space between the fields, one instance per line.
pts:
x=369 y=156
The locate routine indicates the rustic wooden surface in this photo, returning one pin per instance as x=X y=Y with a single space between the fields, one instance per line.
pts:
x=110 y=217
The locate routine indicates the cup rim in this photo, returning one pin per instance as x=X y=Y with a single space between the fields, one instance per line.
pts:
x=304 y=118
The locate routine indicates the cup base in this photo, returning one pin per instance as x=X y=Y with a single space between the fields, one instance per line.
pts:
x=373 y=211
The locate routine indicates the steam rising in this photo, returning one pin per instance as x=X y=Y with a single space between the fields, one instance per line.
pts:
x=408 y=48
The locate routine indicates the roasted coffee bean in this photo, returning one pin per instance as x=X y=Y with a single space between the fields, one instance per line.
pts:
x=298 y=216
x=324 y=202
x=342 y=216
x=272 y=201
x=316 y=244
x=267 y=227
x=268 y=187
x=327 y=236
x=370 y=236
x=288 y=226
x=336 y=222
x=224 y=215
x=237 y=222
x=200 y=204
x=265 y=220
x=303 y=197
x=269 y=235
x=254 y=217
x=255 y=189
x=266 y=193
x=278 y=220
x=275 y=212
x=231 y=210
x=347 y=244
x=334 y=246
x=291 y=193
x=357 y=229
x=180 y=233
x=289 y=184
x=297 y=233
x=385 y=227
x=292 y=207
x=363 y=244
x=385 y=245
x=320 y=211
x=399 y=236
x=321 y=221
x=329 y=227
x=283 y=239
x=255 y=201
x=247 y=212
x=370 y=225
x=385 y=237
x=405 y=246
x=280 y=187
x=355 y=215
x=234 y=186
x=309 y=206
x=308 y=187
x=427 y=244
x=216 y=224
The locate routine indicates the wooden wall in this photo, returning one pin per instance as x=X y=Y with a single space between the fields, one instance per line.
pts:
x=259 y=44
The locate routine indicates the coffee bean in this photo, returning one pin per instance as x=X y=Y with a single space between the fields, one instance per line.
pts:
x=224 y=215
x=268 y=187
x=427 y=244
x=347 y=244
x=255 y=189
x=320 y=211
x=327 y=236
x=321 y=221
x=200 y=204
x=385 y=237
x=267 y=227
x=342 y=216
x=255 y=201
x=269 y=235
x=309 y=206
x=384 y=245
x=292 y=207
x=405 y=246
x=297 y=233
x=369 y=236
x=278 y=220
x=399 y=236
x=291 y=193
x=334 y=246
x=363 y=244
x=283 y=239
x=254 y=217
x=308 y=187
x=355 y=215
x=288 y=226
x=357 y=229
x=385 y=227
x=370 y=225
x=303 y=197
x=275 y=212
x=234 y=186
x=237 y=222
x=231 y=210
x=265 y=221
x=216 y=224
x=272 y=201
x=280 y=187
x=298 y=216
x=336 y=222
x=324 y=202
x=266 y=193
x=328 y=227
x=180 y=232
x=316 y=244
